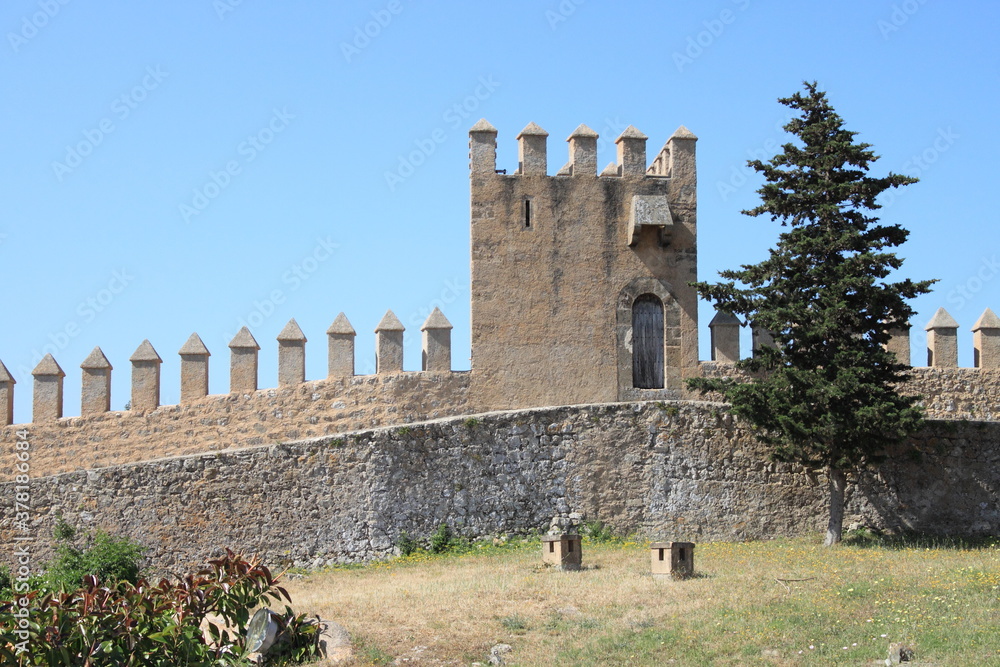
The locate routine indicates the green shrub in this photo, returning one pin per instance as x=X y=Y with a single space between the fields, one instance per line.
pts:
x=598 y=532
x=108 y=558
x=514 y=623
x=63 y=531
x=6 y=582
x=406 y=544
x=441 y=540
x=143 y=623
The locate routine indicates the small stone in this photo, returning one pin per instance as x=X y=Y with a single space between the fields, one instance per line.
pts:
x=899 y=653
x=497 y=653
x=334 y=644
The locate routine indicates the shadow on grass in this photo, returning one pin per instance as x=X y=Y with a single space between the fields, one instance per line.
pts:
x=867 y=539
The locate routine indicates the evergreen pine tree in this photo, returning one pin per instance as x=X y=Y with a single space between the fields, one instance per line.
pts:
x=825 y=396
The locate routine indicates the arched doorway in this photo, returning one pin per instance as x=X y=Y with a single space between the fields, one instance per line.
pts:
x=647 y=342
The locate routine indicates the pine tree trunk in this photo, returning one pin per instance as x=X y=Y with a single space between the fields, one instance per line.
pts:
x=838 y=486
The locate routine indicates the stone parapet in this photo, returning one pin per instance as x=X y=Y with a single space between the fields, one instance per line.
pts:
x=95 y=392
x=947 y=393
x=217 y=422
x=679 y=472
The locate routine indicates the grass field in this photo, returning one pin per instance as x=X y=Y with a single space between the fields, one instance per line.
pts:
x=853 y=600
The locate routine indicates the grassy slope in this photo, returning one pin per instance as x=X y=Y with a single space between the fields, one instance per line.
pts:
x=856 y=600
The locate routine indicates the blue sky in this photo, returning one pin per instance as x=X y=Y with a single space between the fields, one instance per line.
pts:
x=195 y=165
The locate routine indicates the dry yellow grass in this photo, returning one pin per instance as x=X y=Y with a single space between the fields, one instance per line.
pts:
x=452 y=610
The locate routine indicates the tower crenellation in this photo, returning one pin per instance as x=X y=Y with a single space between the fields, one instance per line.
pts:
x=340 y=345
x=194 y=369
x=436 y=342
x=582 y=152
x=631 y=144
x=483 y=148
x=145 y=377
x=389 y=344
x=47 y=402
x=942 y=340
x=243 y=352
x=532 y=156
x=986 y=341
x=291 y=354
x=7 y=383
x=95 y=392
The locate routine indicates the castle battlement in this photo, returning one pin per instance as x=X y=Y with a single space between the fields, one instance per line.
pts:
x=580 y=294
x=96 y=370
x=942 y=340
x=677 y=155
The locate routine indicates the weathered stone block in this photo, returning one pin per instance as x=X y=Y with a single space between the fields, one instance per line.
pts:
x=683 y=172
x=7 y=383
x=389 y=344
x=341 y=336
x=582 y=152
x=673 y=560
x=761 y=338
x=899 y=344
x=986 y=340
x=531 y=150
x=482 y=148
x=291 y=354
x=243 y=362
x=631 y=147
x=562 y=552
x=942 y=340
x=47 y=403
x=725 y=330
x=95 y=392
x=436 y=342
x=194 y=369
x=145 y=377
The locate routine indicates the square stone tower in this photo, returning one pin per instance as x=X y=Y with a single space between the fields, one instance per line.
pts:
x=580 y=281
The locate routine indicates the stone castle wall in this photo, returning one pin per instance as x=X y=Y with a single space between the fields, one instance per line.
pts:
x=232 y=421
x=559 y=263
x=676 y=470
x=336 y=405
x=947 y=393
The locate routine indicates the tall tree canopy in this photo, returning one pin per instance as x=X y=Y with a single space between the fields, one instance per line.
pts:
x=825 y=395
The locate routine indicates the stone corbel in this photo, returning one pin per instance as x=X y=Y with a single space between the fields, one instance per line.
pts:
x=650 y=211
